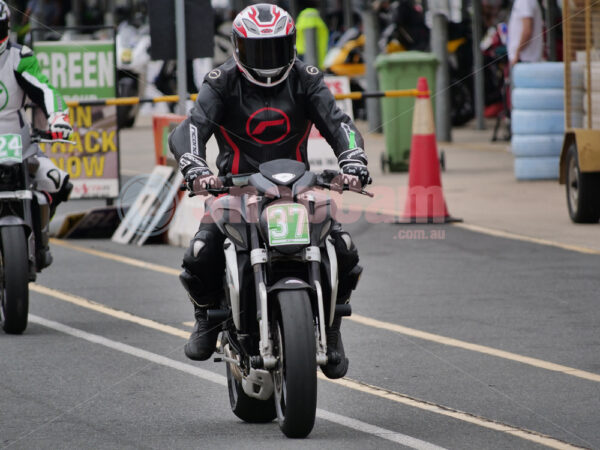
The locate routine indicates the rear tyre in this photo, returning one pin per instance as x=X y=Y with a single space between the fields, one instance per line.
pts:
x=14 y=280
x=295 y=379
x=583 y=190
x=248 y=409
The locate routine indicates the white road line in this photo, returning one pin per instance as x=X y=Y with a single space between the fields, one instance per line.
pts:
x=402 y=439
x=345 y=382
x=207 y=375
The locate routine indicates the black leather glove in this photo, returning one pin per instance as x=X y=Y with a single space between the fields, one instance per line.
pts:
x=192 y=167
x=354 y=162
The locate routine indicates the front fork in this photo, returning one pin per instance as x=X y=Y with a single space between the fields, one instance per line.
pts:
x=258 y=259
x=313 y=255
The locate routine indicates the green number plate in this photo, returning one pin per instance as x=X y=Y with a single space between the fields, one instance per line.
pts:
x=11 y=148
x=288 y=224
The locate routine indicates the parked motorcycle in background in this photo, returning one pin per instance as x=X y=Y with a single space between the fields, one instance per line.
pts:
x=497 y=79
x=24 y=219
x=133 y=57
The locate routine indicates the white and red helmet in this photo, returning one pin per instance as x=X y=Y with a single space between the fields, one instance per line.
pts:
x=264 y=37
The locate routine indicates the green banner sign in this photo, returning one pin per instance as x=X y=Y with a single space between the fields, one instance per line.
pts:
x=84 y=70
x=79 y=69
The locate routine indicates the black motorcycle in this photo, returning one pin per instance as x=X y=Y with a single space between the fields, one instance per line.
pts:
x=24 y=218
x=281 y=284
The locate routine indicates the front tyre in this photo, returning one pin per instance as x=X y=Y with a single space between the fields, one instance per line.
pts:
x=251 y=410
x=14 y=280
x=295 y=379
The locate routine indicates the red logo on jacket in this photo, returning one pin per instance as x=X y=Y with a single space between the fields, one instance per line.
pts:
x=268 y=126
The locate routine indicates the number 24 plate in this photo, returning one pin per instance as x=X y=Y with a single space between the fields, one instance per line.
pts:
x=288 y=224
x=11 y=148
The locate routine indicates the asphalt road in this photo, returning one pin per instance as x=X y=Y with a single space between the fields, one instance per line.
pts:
x=460 y=341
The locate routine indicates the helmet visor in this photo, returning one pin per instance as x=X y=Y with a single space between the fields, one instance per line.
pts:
x=3 y=29
x=265 y=54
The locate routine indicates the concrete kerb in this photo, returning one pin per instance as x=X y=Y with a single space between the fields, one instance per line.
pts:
x=480 y=187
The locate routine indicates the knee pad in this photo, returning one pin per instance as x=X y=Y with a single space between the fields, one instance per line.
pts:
x=204 y=264
x=204 y=254
x=50 y=178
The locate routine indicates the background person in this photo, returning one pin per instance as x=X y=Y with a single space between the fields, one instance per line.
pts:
x=525 y=32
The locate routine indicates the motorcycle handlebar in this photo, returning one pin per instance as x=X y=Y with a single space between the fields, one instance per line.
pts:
x=325 y=179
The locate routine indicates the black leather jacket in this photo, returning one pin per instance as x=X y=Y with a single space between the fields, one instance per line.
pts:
x=253 y=124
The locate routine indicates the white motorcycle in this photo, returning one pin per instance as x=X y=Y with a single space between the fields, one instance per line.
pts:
x=24 y=219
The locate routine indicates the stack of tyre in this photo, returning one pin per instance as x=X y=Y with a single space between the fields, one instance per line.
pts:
x=538 y=117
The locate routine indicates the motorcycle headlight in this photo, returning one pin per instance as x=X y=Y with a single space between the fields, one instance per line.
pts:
x=235 y=234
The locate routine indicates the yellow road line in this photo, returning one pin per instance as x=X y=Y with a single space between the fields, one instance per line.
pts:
x=474 y=347
x=118 y=258
x=404 y=399
x=520 y=237
x=484 y=230
x=98 y=307
x=345 y=382
x=376 y=323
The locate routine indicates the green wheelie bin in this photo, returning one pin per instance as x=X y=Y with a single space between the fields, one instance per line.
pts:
x=401 y=70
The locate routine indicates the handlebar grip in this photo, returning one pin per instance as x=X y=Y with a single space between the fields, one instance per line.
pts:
x=43 y=134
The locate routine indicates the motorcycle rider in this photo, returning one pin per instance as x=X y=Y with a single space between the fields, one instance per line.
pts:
x=20 y=76
x=261 y=105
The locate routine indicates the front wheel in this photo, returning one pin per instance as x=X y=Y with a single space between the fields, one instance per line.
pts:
x=295 y=379
x=14 y=280
x=583 y=190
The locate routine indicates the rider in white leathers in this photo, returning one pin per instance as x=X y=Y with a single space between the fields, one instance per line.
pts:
x=20 y=77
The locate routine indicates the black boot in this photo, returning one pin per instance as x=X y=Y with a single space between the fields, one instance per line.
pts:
x=337 y=363
x=203 y=340
x=61 y=196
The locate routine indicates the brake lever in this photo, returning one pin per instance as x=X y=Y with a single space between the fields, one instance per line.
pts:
x=213 y=192
x=367 y=193
x=52 y=141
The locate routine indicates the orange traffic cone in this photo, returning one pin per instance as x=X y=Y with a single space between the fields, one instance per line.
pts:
x=425 y=202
